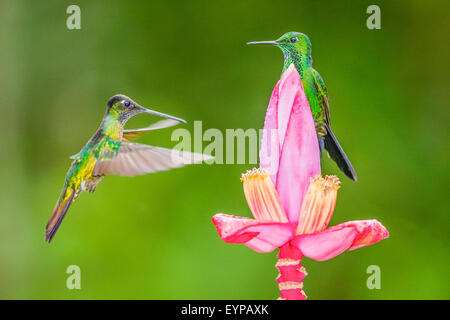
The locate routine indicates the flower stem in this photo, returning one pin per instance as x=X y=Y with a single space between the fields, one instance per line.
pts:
x=290 y=279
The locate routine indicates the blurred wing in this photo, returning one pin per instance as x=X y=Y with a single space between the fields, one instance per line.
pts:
x=135 y=159
x=136 y=133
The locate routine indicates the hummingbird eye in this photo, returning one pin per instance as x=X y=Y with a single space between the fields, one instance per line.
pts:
x=293 y=40
x=126 y=103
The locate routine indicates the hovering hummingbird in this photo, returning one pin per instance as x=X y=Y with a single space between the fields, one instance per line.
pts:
x=296 y=49
x=109 y=151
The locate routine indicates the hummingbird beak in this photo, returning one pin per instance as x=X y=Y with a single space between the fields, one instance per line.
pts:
x=156 y=113
x=274 y=43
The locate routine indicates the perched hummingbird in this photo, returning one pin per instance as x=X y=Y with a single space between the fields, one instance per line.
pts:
x=296 y=49
x=109 y=151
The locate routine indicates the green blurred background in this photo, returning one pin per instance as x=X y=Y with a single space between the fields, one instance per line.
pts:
x=151 y=237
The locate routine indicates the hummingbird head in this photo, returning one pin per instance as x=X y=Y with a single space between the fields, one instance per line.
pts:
x=123 y=108
x=294 y=45
x=294 y=42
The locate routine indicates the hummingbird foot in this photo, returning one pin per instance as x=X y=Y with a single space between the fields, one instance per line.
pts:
x=91 y=184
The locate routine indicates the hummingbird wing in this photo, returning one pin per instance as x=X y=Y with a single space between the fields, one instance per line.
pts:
x=323 y=95
x=131 y=134
x=330 y=143
x=136 y=159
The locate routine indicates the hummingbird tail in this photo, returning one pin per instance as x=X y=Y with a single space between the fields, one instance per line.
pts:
x=58 y=214
x=338 y=155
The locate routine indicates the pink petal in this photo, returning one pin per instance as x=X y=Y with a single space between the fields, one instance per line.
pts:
x=369 y=232
x=299 y=159
x=269 y=153
x=345 y=236
x=288 y=89
x=258 y=236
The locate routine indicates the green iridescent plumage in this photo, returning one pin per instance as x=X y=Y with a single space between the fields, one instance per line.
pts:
x=296 y=48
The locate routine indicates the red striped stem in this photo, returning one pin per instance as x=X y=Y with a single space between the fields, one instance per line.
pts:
x=290 y=279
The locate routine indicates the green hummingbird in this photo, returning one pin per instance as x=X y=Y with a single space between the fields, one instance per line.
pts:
x=296 y=49
x=109 y=151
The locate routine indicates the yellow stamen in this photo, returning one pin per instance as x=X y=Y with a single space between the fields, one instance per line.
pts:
x=318 y=205
x=262 y=197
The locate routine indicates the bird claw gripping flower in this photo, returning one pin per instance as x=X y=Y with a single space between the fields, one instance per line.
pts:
x=291 y=203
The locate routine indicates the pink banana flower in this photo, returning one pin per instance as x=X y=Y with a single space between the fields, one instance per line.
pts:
x=291 y=203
